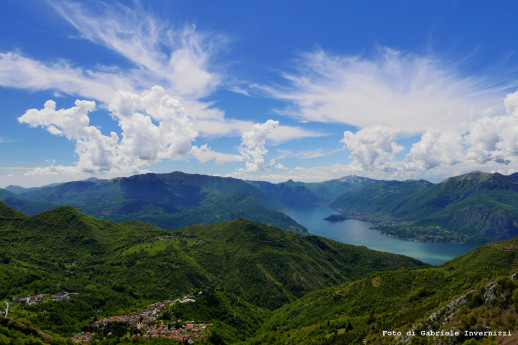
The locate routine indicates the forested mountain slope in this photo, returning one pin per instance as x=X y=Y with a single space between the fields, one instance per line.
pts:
x=113 y=267
x=476 y=292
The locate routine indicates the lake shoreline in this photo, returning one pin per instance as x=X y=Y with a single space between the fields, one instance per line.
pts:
x=359 y=232
x=380 y=222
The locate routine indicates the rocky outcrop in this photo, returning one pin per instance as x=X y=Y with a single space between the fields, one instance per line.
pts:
x=445 y=314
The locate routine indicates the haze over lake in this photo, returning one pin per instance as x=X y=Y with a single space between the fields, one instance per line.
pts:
x=360 y=233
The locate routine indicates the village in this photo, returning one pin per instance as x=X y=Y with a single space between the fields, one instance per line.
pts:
x=42 y=298
x=149 y=323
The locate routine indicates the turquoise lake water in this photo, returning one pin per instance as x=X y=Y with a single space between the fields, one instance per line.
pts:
x=359 y=233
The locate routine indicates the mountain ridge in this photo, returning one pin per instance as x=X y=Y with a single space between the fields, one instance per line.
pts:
x=473 y=207
x=170 y=200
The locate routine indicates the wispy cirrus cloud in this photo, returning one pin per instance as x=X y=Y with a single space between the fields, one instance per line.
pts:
x=389 y=96
x=25 y=73
x=393 y=89
x=310 y=154
x=205 y=153
x=16 y=168
x=4 y=140
x=179 y=59
x=395 y=95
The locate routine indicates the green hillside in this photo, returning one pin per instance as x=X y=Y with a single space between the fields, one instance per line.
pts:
x=481 y=206
x=255 y=284
x=471 y=293
x=245 y=268
x=269 y=267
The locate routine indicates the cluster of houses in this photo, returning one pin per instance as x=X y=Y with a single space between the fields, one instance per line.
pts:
x=42 y=298
x=146 y=324
x=188 y=331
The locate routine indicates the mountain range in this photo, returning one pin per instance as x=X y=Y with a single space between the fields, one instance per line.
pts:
x=167 y=200
x=472 y=207
x=475 y=207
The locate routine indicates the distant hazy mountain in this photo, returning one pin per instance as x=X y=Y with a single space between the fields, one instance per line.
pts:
x=19 y=189
x=23 y=205
x=307 y=194
x=290 y=193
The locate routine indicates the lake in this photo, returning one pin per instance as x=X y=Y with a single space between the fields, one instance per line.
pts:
x=359 y=233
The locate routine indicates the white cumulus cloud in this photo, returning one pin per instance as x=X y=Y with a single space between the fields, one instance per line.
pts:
x=374 y=147
x=253 y=146
x=154 y=126
x=494 y=139
x=96 y=152
x=436 y=148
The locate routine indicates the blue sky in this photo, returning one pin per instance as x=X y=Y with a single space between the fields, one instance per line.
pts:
x=267 y=90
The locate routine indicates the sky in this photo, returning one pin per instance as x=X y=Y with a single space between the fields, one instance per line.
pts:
x=258 y=90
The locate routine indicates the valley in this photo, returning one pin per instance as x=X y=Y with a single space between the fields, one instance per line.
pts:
x=258 y=172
